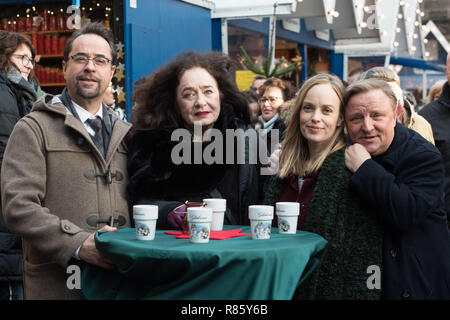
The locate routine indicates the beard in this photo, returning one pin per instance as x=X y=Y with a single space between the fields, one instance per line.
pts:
x=88 y=91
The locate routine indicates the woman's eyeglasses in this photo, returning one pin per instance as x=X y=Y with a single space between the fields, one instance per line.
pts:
x=25 y=60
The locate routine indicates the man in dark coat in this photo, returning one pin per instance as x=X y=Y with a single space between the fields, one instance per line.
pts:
x=437 y=113
x=400 y=176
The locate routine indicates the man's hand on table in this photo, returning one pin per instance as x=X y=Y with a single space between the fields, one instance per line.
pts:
x=89 y=253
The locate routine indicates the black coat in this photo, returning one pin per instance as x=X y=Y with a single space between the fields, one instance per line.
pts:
x=16 y=100
x=404 y=187
x=155 y=179
x=437 y=113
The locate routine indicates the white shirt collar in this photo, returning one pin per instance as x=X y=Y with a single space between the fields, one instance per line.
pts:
x=84 y=114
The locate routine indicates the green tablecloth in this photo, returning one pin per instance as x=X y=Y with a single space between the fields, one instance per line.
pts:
x=168 y=268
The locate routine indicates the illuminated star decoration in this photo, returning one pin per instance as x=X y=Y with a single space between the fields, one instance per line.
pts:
x=119 y=75
x=121 y=97
x=120 y=66
x=119 y=46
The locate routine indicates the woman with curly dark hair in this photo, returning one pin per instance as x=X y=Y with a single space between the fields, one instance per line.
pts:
x=18 y=92
x=195 y=92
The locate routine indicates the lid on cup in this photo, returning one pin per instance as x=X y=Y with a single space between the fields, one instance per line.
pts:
x=287 y=208
x=260 y=212
x=199 y=214
x=145 y=211
x=216 y=204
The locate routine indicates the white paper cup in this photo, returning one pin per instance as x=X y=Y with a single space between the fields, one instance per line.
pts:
x=199 y=219
x=260 y=221
x=145 y=217
x=218 y=207
x=287 y=213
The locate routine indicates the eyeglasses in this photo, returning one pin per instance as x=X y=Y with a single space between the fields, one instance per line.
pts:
x=82 y=59
x=271 y=100
x=25 y=60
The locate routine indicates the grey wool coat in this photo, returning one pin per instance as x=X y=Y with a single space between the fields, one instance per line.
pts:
x=55 y=194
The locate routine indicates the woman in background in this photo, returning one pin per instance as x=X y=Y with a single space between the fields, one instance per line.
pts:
x=18 y=91
x=436 y=90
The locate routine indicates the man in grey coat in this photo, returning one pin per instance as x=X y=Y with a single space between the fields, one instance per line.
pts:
x=64 y=171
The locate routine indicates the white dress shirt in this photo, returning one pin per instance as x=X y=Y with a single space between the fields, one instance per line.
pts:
x=84 y=115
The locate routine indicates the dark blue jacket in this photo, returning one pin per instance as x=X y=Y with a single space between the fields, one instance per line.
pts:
x=437 y=114
x=404 y=186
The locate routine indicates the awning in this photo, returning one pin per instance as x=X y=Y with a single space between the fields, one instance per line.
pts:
x=416 y=63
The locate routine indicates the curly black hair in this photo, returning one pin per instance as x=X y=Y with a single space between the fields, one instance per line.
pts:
x=155 y=95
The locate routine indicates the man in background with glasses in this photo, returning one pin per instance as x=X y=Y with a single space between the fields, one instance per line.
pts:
x=68 y=179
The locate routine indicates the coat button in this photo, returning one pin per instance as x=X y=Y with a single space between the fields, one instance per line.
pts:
x=66 y=227
x=393 y=253
x=80 y=141
x=406 y=294
x=90 y=175
x=119 y=176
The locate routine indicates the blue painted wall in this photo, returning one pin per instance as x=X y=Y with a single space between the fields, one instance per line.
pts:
x=336 y=63
x=157 y=30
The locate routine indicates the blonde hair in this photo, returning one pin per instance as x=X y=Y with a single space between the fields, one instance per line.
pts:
x=435 y=89
x=391 y=77
x=381 y=73
x=366 y=85
x=295 y=156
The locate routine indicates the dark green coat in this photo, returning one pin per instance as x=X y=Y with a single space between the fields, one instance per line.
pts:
x=353 y=233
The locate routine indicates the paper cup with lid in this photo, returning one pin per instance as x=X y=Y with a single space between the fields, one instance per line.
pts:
x=218 y=207
x=145 y=217
x=199 y=219
x=287 y=213
x=260 y=221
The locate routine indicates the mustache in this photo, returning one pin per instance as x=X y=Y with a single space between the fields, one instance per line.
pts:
x=84 y=77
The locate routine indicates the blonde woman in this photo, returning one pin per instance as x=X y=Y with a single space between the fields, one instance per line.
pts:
x=312 y=172
x=436 y=90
